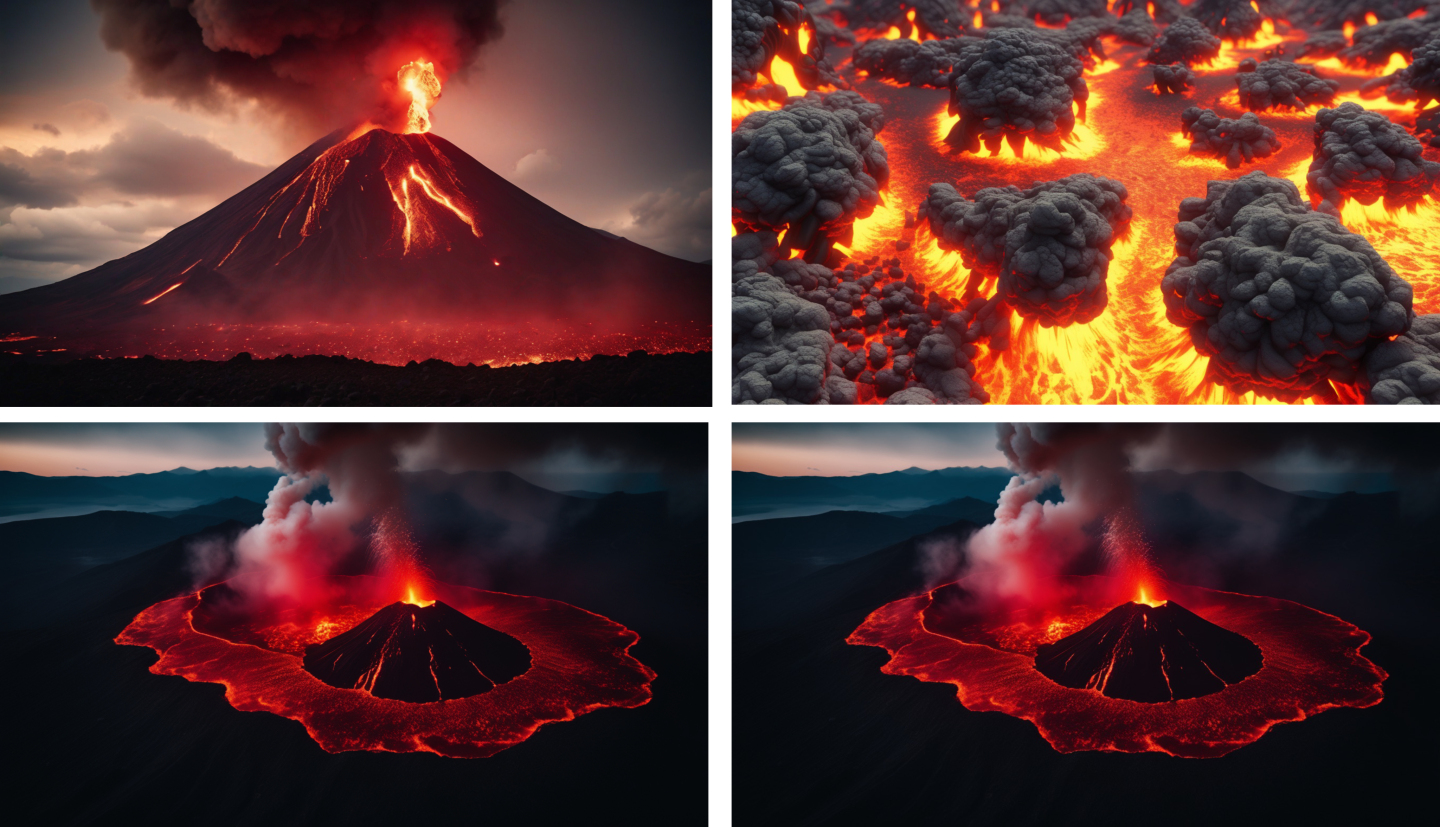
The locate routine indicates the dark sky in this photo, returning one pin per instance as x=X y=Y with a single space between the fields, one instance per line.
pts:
x=600 y=109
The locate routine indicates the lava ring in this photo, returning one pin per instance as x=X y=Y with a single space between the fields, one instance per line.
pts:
x=580 y=662
x=1312 y=663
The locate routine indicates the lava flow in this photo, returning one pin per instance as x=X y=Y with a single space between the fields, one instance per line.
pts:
x=1196 y=675
x=886 y=260
x=460 y=672
x=384 y=242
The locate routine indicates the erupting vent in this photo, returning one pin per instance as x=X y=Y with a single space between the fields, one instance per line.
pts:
x=418 y=654
x=1151 y=654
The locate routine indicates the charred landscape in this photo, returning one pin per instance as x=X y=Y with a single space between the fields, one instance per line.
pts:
x=843 y=722
x=528 y=602
x=1061 y=202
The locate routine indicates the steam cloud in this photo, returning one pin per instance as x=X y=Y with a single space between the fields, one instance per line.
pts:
x=320 y=64
x=361 y=465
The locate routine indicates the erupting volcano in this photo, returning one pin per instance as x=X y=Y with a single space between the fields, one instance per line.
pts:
x=419 y=654
x=1149 y=653
x=467 y=674
x=385 y=244
x=1027 y=201
x=1138 y=677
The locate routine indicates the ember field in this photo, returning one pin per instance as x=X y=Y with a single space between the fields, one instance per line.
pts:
x=637 y=379
x=1130 y=352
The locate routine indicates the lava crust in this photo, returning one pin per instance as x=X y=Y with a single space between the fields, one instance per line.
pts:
x=418 y=654
x=580 y=662
x=1150 y=654
x=1312 y=663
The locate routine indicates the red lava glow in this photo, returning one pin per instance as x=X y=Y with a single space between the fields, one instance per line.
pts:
x=580 y=663
x=1130 y=353
x=1312 y=663
x=418 y=80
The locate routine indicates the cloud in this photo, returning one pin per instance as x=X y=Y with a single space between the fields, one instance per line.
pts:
x=675 y=220
x=536 y=166
x=48 y=127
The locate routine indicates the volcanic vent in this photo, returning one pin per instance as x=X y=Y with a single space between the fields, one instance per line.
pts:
x=409 y=652
x=1150 y=653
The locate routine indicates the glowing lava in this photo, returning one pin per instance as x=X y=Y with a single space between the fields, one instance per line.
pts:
x=1311 y=663
x=1130 y=353
x=418 y=80
x=580 y=662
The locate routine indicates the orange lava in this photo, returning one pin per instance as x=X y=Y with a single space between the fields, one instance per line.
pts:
x=417 y=78
x=1312 y=663
x=1130 y=353
x=580 y=663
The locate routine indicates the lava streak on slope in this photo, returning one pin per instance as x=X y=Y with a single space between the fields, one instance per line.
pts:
x=580 y=662
x=1311 y=663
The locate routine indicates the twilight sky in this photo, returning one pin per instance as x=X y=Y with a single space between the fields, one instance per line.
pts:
x=841 y=450
x=600 y=110
x=117 y=449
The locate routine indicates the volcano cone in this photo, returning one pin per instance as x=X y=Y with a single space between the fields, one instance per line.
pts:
x=1150 y=654
x=418 y=654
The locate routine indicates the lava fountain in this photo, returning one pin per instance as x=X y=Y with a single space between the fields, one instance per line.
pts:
x=1195 y=674
x=446 y=669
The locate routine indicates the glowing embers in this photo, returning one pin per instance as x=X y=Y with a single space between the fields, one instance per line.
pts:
x=580 y=662
x=417 y=79
x=1311 y=662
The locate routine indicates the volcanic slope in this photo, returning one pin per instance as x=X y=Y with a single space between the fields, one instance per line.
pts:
x=382 y=228
x=419 y=654
x=1151 y=654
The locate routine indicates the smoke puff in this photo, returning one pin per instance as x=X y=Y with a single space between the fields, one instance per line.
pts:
x=813 y=163
x=1049 y=245
x=938 y=18
x=1173 y=79
x=1406 y=370
x=1280 y=84
x=1016 y=84
x=1185 y=41
x=319 y=64
x=907 y=62
x=1054 y=12
x=1372 y=45
x=1362 y=155
x=1232 y=141
x=1233 y=19
x=1281 y=297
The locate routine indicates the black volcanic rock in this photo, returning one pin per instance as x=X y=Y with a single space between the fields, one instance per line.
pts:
x=418 y=654
x=1150 y=654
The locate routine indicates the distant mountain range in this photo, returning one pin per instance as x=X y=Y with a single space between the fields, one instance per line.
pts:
x=755 y=495
x=183 y=487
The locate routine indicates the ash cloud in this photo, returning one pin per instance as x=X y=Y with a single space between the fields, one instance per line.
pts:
x=318 y=65
x=365 y=526
x=1281 y=297
x=1232 y=141
x=1185 y=41
x=1406 y=370
x=1363 y=155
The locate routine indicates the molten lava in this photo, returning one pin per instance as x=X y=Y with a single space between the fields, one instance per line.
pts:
x=418 y=80
x=356 y=669
x=1062 y=668
x=1130 y=353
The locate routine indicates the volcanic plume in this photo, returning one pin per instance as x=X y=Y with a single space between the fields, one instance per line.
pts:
x=1168 y=102
x=386 y=243
x=392 y=659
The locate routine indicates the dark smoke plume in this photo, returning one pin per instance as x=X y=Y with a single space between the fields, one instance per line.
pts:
x=319 y=64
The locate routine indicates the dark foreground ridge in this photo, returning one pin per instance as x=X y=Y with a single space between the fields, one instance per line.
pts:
x=1150 y=654
x=419 y=654
x=674 y=379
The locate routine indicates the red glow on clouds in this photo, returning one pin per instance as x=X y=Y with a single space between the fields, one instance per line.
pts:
x=580 y=663
x=1312 y=663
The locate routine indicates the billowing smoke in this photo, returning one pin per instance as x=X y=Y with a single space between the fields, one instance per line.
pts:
x=1015 y=559
x=365 y=526
x=320 y=64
